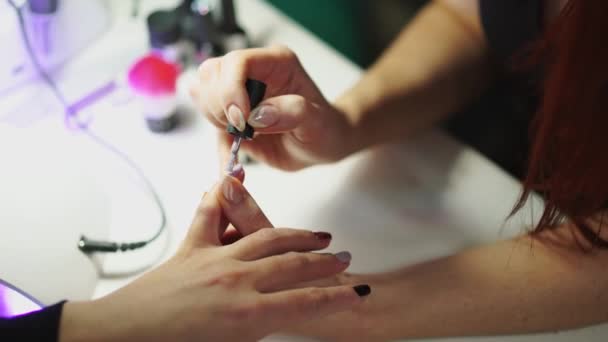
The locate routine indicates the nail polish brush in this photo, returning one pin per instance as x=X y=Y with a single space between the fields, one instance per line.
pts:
x=255 y=92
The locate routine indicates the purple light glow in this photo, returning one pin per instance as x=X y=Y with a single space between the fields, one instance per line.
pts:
x=14 y=303
x=92 y=97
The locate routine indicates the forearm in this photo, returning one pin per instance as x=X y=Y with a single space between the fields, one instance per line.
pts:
x=437 y=64
x=518 y=286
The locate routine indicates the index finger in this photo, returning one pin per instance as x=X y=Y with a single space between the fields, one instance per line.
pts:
x=274 y=66
x=240 y=208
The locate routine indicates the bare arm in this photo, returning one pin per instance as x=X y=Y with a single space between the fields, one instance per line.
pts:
x=437 y=64
x=518 y=286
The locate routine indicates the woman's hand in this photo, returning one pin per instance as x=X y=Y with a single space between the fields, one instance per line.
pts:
x=297 y=126
x=214 y=292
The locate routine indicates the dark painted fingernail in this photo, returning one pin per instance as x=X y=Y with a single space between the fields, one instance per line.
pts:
x=323 y=236
x=362 y=290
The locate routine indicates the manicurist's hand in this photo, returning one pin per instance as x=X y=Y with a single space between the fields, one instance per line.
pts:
x=210 y=291
x=296 y=125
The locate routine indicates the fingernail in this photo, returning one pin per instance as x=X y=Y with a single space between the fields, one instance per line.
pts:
x=263 y=116
x=236 y=170
x=323 y=236
x=230 y=191
x=236 y=118
x=362 y=290
x=343 y=257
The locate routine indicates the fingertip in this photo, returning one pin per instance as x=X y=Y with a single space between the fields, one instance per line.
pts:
x=238 y=172
x=232 y=190
x=236 y=117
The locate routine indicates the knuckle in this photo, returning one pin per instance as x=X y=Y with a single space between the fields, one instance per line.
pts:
x=317 y=299
x=228 y=279
x=256 y=216
x=204 y=209
x=267 y=235
x=285 y=51
x=207 y=67
x=300 y=260
x=244 y=311
x=236 y=60
x=233 y=56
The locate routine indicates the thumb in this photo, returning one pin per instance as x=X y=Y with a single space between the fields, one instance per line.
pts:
x=281 y=114
x=209 y=222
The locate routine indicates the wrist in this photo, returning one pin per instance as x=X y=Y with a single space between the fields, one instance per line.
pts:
x=78 y=322
x=353 y=139
x=91 y=321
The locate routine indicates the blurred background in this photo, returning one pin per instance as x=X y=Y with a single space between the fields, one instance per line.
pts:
x=359 y=29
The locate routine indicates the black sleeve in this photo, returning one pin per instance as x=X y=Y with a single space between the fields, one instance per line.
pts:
x=509 y=25
x=40 y=326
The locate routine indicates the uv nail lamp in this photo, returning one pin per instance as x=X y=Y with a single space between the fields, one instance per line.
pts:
x=56 y=36
x=48 y=198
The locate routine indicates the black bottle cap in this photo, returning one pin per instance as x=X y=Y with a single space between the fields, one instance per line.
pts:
x=198 y=28
x=163 y=28
x=228 y=22
x=256 y=91
x=247 y=133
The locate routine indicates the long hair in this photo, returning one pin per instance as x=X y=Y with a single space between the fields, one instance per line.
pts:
x=568 y=161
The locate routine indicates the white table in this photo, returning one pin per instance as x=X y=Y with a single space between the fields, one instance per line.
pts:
x=394 y=205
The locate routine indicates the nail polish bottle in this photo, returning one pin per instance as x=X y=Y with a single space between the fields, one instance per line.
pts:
x=165 y=36
x=154 y=80
x=233 y=36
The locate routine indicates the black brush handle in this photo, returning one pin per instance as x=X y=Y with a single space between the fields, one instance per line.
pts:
x=255 y=91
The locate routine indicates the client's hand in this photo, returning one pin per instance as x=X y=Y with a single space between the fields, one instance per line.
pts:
x=214 y=292
x=247 y=218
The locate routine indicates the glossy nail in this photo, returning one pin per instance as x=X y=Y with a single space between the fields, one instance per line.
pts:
x=323 y=236
x=230 y=191
x=236 y=117
x=263 y=116
x=236 y=170
x=362 y=290
x=343 y=257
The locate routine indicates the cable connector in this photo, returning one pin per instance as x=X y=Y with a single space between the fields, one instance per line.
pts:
x=96 y=246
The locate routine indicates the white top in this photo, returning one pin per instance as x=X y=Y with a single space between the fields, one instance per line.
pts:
x=395 y=205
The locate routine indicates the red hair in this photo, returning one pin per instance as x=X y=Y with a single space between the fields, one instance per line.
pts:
x=568 y=161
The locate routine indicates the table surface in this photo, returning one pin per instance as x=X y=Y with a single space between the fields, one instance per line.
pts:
x=396 y=205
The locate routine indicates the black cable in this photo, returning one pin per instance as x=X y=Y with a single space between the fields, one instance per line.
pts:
x=85 y=244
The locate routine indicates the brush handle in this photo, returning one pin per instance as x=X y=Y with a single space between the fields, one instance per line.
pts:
x=255 y=91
